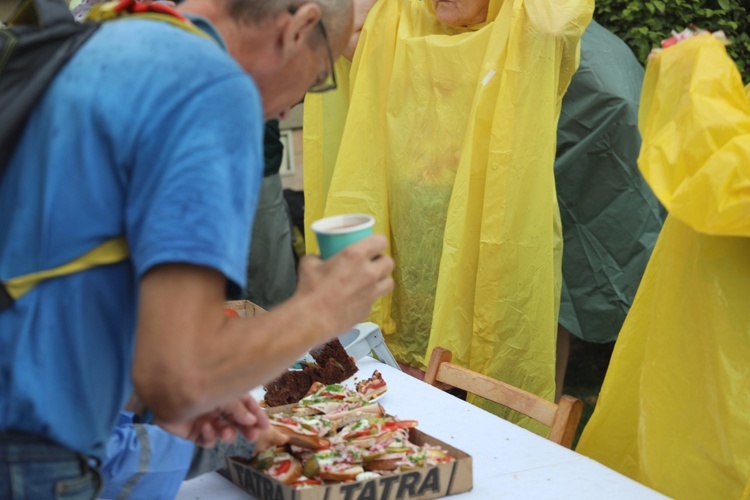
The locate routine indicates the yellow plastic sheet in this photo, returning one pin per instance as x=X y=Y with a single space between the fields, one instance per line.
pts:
x=674 y=411
x=449 y=140
x=320 y=145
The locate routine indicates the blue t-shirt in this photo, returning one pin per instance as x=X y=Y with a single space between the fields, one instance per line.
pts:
x=150 y=132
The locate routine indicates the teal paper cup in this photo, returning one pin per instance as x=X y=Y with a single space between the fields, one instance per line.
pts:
x=335 y=233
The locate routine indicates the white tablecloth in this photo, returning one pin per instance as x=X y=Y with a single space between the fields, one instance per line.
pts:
x=509 y=462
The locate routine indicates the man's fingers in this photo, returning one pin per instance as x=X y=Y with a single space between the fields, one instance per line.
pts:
x=243 y=415
x=368 y=252
x=220 y=429
x=276 y=438
x=238 y=413
x=228 y=434
x=250 y=433
x=384 y=286
x=268 y=438
x=260 y=414
x=383 y=265
x=371 y=247
x=207 y=437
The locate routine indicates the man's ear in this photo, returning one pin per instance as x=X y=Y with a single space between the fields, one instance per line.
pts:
x=297 y=32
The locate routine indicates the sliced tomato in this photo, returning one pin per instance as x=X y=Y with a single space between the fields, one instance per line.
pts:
x=231 y=313
x=359 y=433
x=282 y=467
x=402 y=424
x=307 y=482
x=376 y=384
x=330 y=395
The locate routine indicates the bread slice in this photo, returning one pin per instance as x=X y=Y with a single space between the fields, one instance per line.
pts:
x=349 y=474
x=310 y=442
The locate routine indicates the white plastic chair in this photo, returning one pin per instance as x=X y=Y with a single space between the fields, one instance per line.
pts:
x=365 y=339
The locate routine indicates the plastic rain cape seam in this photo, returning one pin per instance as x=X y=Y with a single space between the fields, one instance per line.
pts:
x=447 y=137
x=674 y=411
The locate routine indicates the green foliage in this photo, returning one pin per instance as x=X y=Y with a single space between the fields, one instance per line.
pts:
x=643 y=24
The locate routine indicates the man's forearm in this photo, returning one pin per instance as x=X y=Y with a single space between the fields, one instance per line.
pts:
x=190 y=357
x=222 y=363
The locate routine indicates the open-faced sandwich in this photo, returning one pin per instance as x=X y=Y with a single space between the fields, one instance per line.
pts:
x=278 y=464
x=336 y=435
x=373 y=387
x=335 y=401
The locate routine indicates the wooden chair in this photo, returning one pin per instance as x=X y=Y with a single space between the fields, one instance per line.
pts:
x=562 y=418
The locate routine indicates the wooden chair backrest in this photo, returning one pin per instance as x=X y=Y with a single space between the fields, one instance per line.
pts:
x=562 y=418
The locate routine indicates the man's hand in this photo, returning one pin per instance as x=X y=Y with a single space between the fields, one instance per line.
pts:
x=243 y=415
x=268 y=438
x=345 y=286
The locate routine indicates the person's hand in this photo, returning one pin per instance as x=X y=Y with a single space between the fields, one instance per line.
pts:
x=344 y=287
x=268 y=438
x=361 y=9
x=686 y=34
x=243 y=415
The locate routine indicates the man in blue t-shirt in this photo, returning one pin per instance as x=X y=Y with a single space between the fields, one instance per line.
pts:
x=147 y=133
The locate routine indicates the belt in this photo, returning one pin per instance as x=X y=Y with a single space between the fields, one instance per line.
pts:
x=41 y=448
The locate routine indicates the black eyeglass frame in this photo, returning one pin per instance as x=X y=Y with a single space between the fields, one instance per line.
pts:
x=322 y=87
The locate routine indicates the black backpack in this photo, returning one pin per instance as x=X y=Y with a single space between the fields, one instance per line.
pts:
x=40 y=38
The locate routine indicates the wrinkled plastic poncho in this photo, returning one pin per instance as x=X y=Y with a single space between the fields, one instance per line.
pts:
x=610 y=217
x=449 y=141
x=674 y=411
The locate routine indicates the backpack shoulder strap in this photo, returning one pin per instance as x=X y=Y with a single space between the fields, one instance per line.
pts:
x=109 y=252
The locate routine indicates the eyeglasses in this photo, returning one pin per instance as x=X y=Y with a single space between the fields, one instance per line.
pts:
x=329 y=82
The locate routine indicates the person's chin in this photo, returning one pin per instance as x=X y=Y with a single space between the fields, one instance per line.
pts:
x=448 y=20
x=446 y=14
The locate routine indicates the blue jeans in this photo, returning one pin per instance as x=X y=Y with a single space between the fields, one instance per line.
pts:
x=32 y=467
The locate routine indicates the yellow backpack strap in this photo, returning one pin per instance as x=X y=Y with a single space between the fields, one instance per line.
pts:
x=109 y=252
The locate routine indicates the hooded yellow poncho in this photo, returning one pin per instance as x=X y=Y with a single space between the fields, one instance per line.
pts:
x=674 y=411
x=447 y=136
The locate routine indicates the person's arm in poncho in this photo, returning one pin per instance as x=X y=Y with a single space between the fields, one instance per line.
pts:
x=695 y=123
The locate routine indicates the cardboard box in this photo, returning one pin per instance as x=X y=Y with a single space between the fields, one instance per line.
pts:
x=426 y=482
x=245 y=308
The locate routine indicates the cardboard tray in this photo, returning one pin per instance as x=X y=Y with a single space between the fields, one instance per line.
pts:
x=244 y=308
x=427 y=482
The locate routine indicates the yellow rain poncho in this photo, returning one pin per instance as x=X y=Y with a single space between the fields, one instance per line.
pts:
x=674 y=411
x=448 y=138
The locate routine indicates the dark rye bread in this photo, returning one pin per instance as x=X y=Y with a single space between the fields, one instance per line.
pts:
x=336 y=363
x=332 y=366
x=287 y=389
